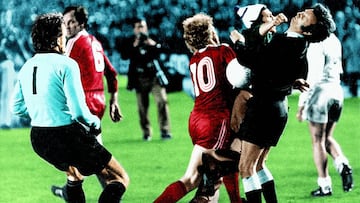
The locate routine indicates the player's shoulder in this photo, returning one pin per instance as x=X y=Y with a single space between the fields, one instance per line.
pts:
x=226 y=45
x=64 y=60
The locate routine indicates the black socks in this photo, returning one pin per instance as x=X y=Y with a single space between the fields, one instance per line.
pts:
x=112 y=193
x=253 y=196
x=269 y=193
x=74 y=192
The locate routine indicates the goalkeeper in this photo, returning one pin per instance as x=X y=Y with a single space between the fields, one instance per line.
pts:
x=49 y=91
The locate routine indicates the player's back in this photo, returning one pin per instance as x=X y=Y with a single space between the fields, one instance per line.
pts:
x=208 y=73
x=87 y=51
x=43 y=87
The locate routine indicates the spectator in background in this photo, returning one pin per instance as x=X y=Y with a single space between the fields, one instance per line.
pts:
x=143 y=53
x=351 y=54
x=63 y=129
x=87 y=51
x=7 y=81
x=341 y=24
x=322 y=106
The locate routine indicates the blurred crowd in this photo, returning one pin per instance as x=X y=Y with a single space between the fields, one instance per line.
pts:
x=109 y=21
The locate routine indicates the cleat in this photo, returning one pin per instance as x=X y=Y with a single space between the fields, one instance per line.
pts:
x=347 y=180
x=320 y=193
x=59 y=192
x=166 y=136
x=147 y=137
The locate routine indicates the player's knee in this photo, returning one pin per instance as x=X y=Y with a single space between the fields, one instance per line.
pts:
x=190 y=182
x=74 y=174
x=115 y=173
x=125 y=179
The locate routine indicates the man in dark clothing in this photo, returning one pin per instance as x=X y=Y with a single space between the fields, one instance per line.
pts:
x=277 y=68
x=145 y=76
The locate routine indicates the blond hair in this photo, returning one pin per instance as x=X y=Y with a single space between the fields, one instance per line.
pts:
x=198 y=31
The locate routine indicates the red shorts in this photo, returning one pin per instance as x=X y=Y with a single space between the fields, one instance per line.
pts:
x=210 y=129
x=95 y=100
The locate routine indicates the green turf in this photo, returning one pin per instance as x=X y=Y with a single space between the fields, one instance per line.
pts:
x=25 y=178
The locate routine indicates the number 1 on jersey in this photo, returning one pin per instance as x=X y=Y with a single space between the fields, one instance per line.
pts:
x=34 y=80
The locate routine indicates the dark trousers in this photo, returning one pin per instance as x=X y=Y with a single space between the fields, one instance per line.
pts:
x=160 y=96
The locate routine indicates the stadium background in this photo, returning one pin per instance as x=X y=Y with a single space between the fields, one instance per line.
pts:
x=26 y=178
x=109 y=21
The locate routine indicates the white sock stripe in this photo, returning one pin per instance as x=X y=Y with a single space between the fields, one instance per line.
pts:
x=324 y=182
x=265 y=175
x=251 y=183
x=339 y=161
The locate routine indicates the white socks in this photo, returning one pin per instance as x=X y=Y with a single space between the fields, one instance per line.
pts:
x=265 y=175
x=255 y=181
x=325 y=184
x=251 y=183
x=339 y=161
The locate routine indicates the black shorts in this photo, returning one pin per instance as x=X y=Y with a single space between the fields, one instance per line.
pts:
x=264 y=121
x=68 y=146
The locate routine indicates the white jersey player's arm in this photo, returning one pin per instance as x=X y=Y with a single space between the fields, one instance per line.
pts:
x=237 y=75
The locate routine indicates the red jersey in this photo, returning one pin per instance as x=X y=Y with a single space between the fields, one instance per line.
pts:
x=87 y=51
x=208 y=73
x=209 y=122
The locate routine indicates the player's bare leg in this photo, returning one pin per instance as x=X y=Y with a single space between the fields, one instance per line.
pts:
x=341 y=163
x=188 y=182
x=317 y=131
x=266 y=179
x=250 y=154
x=117 y=181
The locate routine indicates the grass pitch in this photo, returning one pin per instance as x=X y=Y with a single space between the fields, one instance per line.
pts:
x=25 y=178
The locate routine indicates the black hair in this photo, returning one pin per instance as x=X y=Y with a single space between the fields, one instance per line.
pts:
x=81 y=14
x=324 y=24
x=45 y=31
x=137 y=20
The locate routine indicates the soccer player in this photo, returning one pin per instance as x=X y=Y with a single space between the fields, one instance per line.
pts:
x=63 y=131
x=87 y=51
x=276 y=69
x=215 y=73
x=322 y=106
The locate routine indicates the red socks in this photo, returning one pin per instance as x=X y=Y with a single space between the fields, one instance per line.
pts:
x=231 y=183
x=172 y=193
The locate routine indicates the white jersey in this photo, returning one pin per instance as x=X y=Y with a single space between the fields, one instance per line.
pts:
x=49 y=90
x=325 y=68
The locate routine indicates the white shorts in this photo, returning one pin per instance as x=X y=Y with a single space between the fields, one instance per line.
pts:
x=324 y=103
